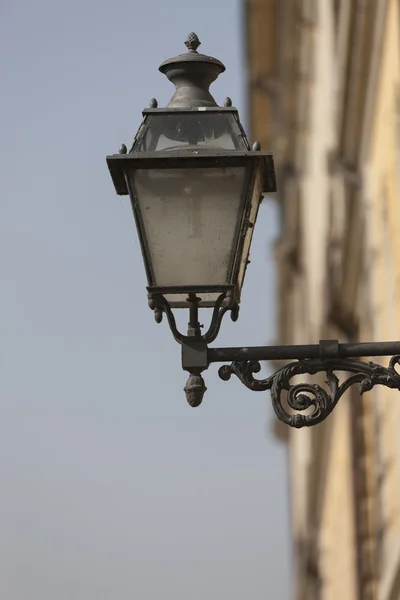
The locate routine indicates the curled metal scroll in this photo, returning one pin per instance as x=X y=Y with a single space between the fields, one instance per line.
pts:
x=224 y=303
x=303 y=396
x=160 y=306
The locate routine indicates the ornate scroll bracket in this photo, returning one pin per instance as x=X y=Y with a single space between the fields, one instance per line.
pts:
x=304 y=396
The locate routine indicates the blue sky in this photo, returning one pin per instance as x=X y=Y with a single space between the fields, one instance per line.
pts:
x=112 y=486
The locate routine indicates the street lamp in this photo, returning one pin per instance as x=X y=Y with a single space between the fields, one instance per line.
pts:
x=195 y=186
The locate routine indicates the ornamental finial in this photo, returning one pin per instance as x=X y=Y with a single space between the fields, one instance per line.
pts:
x=192 y=74
x=192 y=42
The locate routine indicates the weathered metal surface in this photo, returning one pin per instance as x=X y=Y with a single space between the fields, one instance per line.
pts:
x=304 y=396
x=192 y=74
x=195 y=389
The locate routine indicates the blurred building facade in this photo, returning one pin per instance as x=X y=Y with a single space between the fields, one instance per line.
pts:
x=324 y=96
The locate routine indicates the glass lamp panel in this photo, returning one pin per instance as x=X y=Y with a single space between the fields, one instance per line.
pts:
x=180 y=131
x=255 y=202
x=190 y=220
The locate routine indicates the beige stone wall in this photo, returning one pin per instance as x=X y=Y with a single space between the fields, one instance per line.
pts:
x=384 y=286
x=336 y=534
x=331 y=88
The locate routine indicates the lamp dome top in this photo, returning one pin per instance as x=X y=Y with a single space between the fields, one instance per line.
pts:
x=192 y=73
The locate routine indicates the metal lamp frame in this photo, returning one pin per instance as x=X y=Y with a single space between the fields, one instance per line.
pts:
x=296 y=404
x=257 y=162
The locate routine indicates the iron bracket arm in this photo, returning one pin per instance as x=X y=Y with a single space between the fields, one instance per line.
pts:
x=328 y=356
